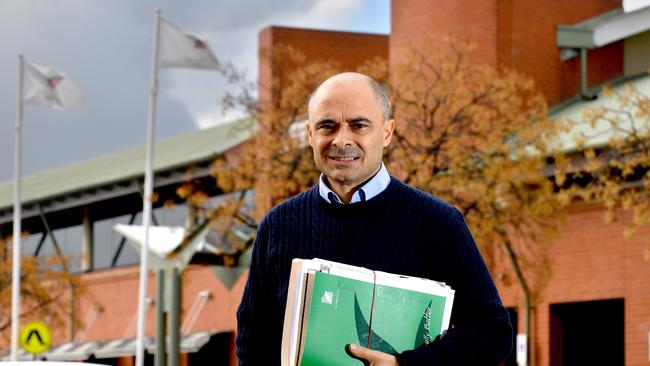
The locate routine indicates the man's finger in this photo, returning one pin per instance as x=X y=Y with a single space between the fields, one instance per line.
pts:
x=370 y=357
x=358 y=352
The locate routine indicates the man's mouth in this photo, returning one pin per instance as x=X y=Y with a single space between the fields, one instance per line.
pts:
x=344 y=159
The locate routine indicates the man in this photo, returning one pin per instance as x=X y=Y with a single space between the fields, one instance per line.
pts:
x=358 y=214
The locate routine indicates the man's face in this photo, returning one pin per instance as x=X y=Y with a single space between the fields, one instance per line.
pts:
x=347 y=131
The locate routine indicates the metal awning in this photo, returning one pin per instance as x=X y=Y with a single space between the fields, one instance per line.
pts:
x=193 y=342
x=603 y=29
x=125 y=347
x=119 y=348
x=72 y=351
x=190 y=343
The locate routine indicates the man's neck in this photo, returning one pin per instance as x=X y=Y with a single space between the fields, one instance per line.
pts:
x=344 y=191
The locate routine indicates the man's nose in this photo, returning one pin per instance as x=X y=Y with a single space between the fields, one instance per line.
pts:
x=343 y=137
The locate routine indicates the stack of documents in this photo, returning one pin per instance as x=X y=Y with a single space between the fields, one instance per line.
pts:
x=330 y=305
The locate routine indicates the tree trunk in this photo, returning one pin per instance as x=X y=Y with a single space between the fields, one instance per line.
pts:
x=524 y=287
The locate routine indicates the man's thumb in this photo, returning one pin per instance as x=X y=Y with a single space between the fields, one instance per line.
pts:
x=358 y=352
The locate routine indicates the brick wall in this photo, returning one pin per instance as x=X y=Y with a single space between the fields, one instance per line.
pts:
x=414 y=21
x=513 y=34
x=349 y=50
x=591 y=261
x=116 y=291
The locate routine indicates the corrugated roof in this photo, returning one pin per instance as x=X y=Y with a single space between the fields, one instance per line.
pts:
x=171 y=153
x=602 y=132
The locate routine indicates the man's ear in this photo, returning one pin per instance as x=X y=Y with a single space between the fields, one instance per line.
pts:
x=389 y=128
x=309 y=131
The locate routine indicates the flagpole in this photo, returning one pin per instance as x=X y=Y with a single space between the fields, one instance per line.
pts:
x=15 y=275
x=148 y=190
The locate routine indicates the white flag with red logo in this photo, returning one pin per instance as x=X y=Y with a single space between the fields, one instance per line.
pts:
x=177 y=48
x=46 y=86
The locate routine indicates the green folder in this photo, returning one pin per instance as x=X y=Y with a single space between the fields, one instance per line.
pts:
x=339 y=314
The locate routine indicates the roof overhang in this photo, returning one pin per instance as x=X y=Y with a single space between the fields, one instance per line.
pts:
x=111 y=177
x=72 y=351
x=189 y=343
x=120 y=348
x=600 y=134
x=603 y=29
x=126 y=347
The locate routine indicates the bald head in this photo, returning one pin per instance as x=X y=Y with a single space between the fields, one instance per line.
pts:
x=354 y=77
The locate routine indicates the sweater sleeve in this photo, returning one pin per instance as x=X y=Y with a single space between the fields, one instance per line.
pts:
x=256 y=312
x=480 y=332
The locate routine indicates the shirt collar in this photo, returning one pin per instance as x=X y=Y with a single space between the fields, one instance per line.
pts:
x=370 y=189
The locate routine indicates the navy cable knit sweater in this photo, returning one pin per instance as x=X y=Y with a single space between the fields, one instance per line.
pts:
x=401 y=230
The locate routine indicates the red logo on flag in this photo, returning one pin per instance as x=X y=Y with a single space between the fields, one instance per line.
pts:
x=199 y=44
x=54 y=81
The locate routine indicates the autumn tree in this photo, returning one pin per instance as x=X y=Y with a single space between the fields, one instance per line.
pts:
x=45 y=288
x=610 y=161
x=479 y=138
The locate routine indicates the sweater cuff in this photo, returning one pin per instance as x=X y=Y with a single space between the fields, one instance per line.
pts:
x=404 y=359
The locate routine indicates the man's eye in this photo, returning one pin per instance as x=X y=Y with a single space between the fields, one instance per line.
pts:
x=358 y=126
x=326 y=127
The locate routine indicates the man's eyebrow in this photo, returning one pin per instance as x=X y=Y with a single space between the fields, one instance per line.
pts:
x=324 y=120
x=359 y=119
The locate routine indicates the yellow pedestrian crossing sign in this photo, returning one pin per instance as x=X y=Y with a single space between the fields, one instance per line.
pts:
x=35 y=337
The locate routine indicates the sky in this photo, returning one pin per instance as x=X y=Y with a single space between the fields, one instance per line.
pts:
x=105 y=47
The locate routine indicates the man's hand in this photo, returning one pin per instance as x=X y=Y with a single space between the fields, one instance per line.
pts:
x=371 y=357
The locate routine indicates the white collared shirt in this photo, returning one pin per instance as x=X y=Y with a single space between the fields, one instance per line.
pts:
x=373 y=187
